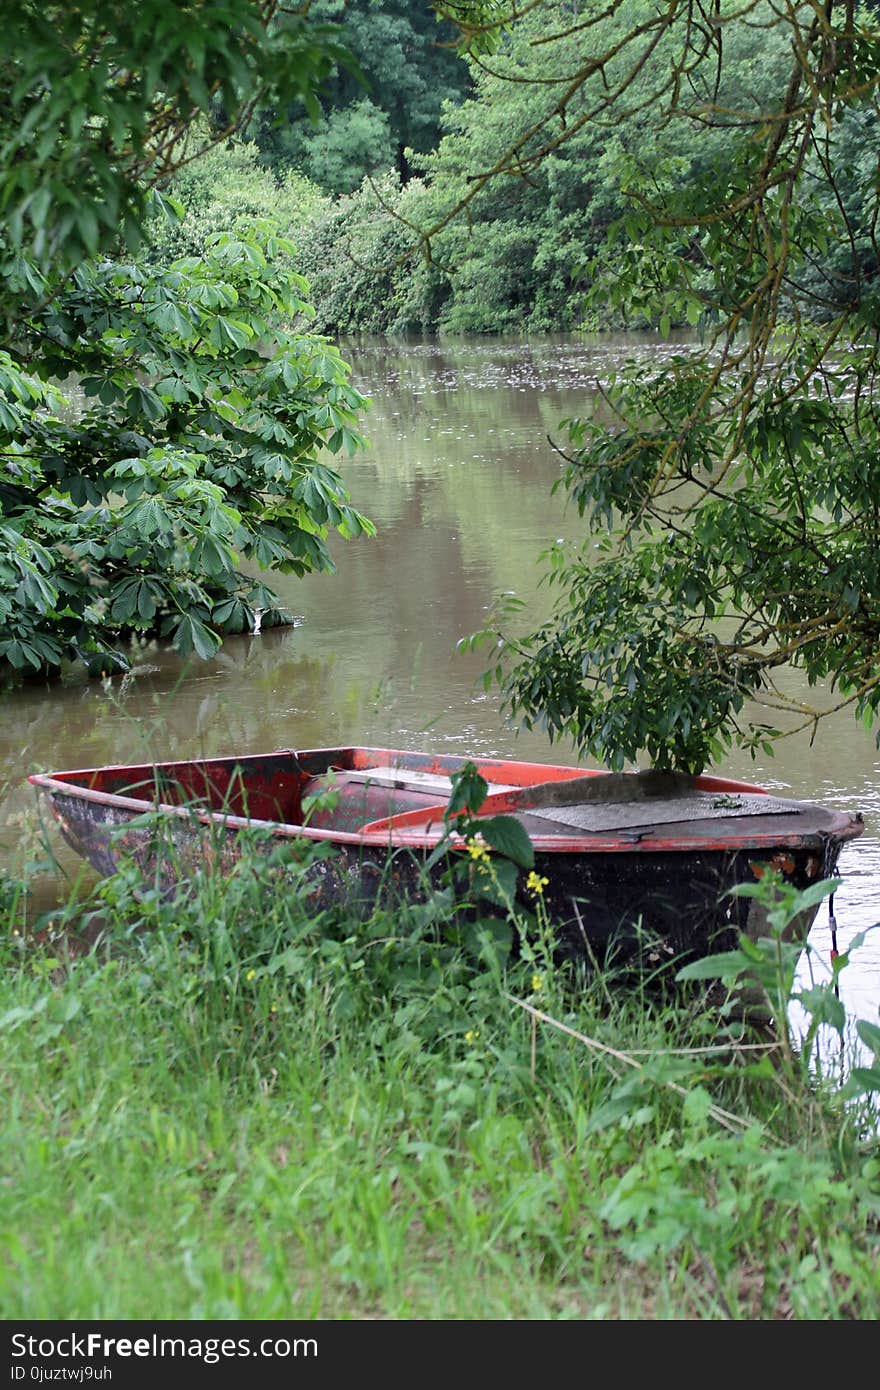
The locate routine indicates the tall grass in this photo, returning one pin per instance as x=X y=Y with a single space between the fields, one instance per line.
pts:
x=238 y=1104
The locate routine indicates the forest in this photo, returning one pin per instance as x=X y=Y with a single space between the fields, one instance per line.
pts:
x=369 y=187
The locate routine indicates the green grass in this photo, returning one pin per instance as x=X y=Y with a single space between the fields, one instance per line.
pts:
x=236 y=1106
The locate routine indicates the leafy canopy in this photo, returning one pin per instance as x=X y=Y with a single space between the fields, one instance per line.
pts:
x=729 y=491
x=197 y=449
x=195 y=452
x=99 y=100
x=519 y=260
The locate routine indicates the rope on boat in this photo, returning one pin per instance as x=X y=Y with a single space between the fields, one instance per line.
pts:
x=832 y=922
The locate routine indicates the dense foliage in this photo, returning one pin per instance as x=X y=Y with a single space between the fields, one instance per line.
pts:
x=375 y=112
x=98 y=102
x=228 y=189
x=534 y=234
x=732 y=490
x=194 y=443
x=196 y=448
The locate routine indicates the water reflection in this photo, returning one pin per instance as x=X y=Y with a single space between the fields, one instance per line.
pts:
x=458 y=478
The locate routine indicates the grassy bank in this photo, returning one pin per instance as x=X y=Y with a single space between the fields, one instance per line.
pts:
x=233 y=1106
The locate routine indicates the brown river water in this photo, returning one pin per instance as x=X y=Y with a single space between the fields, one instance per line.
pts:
x=458 y=479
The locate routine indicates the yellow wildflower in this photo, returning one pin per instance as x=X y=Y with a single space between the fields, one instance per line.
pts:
x=536 y=884
x=472 y=1035
x=476 y=848
x=537 y=983
x=250 y=975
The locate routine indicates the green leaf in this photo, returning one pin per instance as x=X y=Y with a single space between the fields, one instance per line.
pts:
x=497 y=883
x=869 y=1034
x=507 y=836
x=861 y=1081
x=469 y=791
x=724 y=965
x=823 y=1006
x=191 y=634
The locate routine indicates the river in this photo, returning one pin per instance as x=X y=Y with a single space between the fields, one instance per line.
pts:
x=458 y=479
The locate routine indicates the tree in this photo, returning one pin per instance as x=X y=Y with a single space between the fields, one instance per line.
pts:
x=375 y=115
x=360 y=254
x=730 y=493
x=198 y=448
x=207 y=407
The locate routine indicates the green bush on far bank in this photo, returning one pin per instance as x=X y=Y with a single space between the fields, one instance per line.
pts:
x=227 y=191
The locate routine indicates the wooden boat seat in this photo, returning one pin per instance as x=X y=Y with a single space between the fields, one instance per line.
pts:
x=411 y=779
x=377 y=793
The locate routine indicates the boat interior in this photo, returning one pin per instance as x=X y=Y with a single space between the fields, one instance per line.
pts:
x=329 y=789
x=356 y=790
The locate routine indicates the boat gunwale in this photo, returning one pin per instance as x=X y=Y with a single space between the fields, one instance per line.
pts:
x=842 y=825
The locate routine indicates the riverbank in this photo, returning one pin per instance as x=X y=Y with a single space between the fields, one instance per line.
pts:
x=230 y=1108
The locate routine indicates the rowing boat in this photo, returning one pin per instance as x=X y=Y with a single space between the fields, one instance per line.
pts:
x=626 y=856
